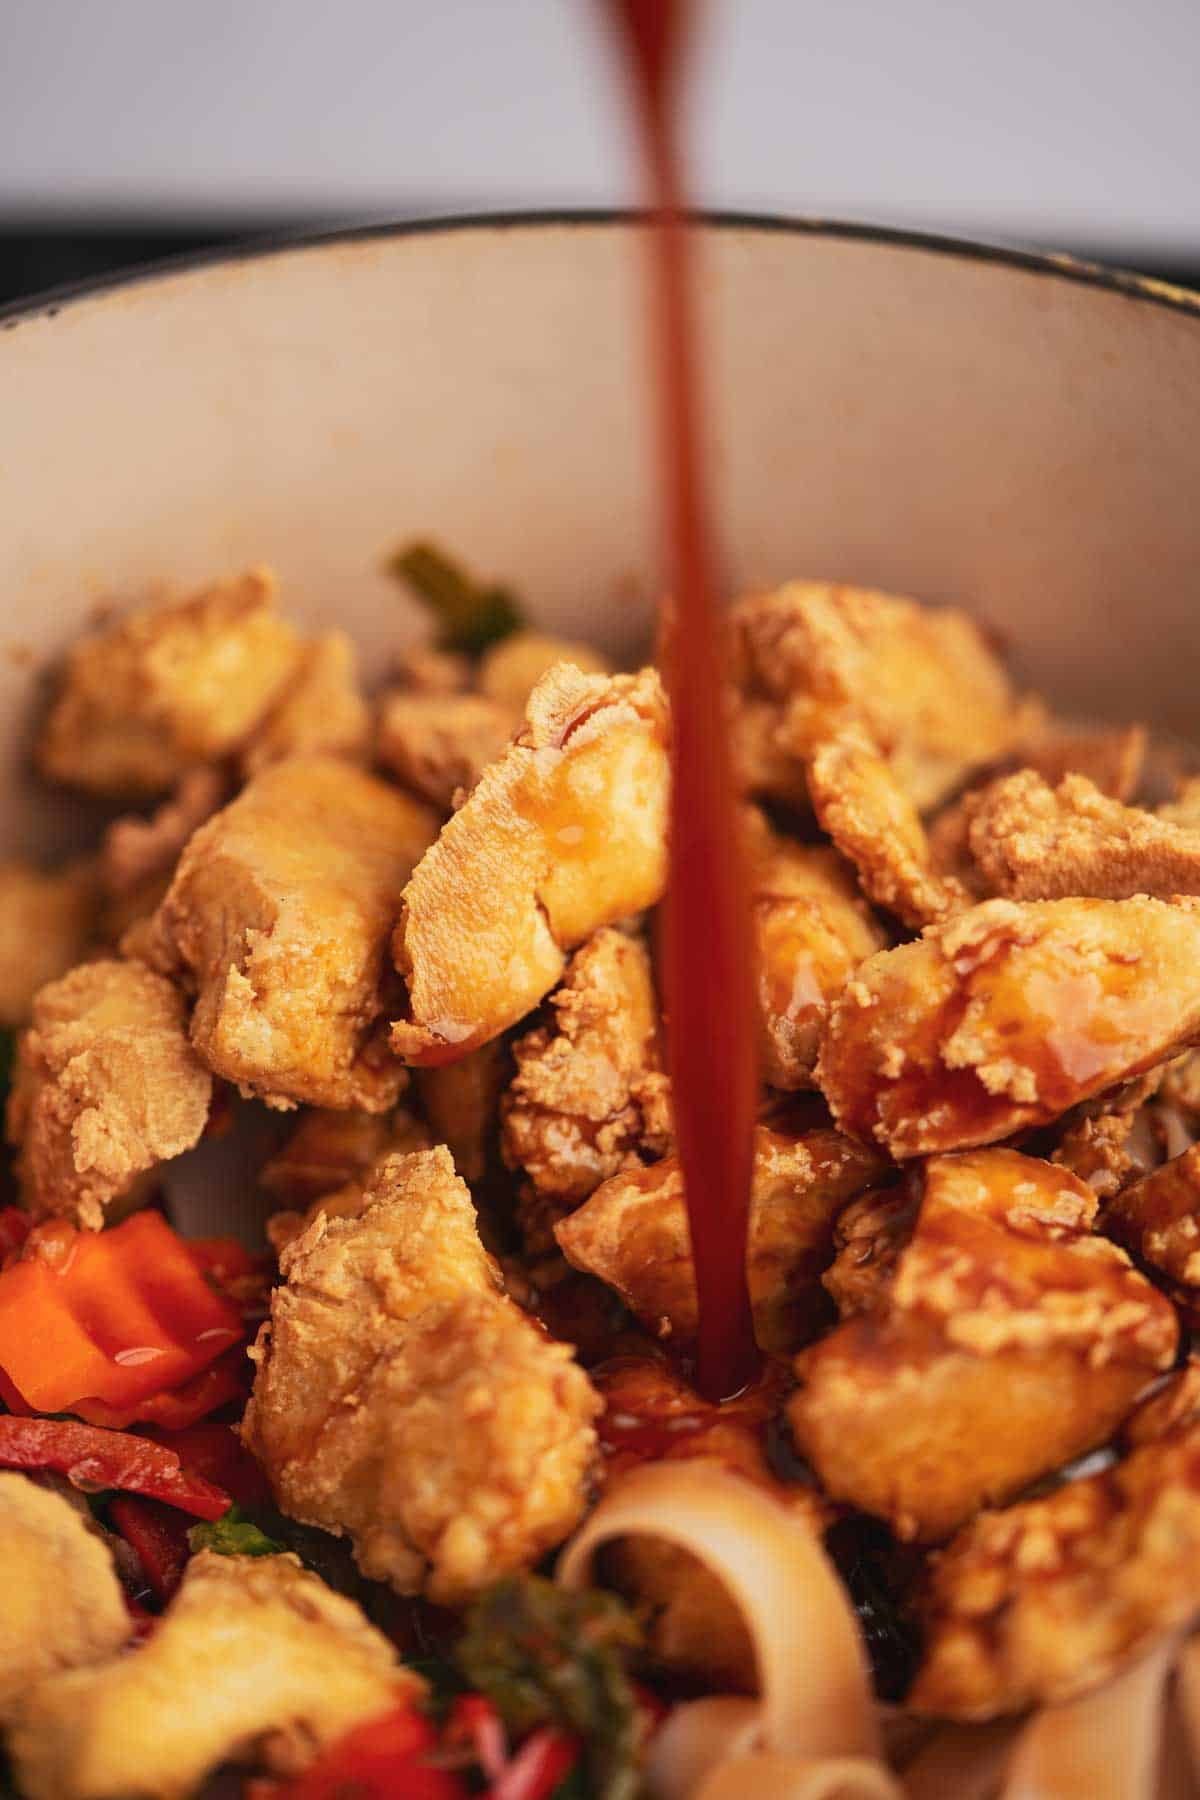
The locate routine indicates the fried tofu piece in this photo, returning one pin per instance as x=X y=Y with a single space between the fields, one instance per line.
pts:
x=1008 y=1340
x=589 y=1097
x=1034 y=842
x=1042 y=1601
x=137 y=852
x=168 y=688
x=510 y=670
x=438 y=745
x=461 y=1101
x=870 y=1236
x=422 y=669
x=255 y=1660
x=1158 y=1220
x=1007 y=1016
x=63 y=1607
x=1108 y=1148
x=46 y=925
x=564 y=834
x=278 y=917
x=403 y=1399
x=859 y=801
x=322 y=709
x=106 y=1088
x=307 y=1168
x=633 y=1234
x=1111 y=757
x=921 y=680
x=812 y=928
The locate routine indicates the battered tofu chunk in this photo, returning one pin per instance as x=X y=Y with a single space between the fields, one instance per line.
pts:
x=510 y=670
x=106 y=1088
x=564 y=834
x=321 y=710
x=1035 y=842
x=255 y=1660
x=922 y=681
x=438 y=745
x=633 y=1234
x=278 y=917
x=589 y=1097
x=320 y=1187
x=46 y=924
x=812 y=929
x=1043 y=1601
x=62 y=1603
x=1007 y=1016
x=1008 y=1340
x=1158 y=1220
x=461 y=1101
x=168 y=688
x=870 y=1236
x=403 y=1399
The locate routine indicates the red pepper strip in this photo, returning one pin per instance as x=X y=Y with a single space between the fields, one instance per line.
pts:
x=217 y=1453
x=93 y=1459
x=226 y=1379
x=14 y=1229
x=381 y=1760
x=473 y=1721
x=111 y=1315
x=538 y=1767
x=159 y=1536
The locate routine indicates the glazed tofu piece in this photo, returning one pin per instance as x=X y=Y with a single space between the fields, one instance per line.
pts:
x=1004 y=1340
x=168 y=688
x=63 y=1606
x=106 y=1088
x=1035 y=842
x=510 y=670
x=461 y=1102
x=322 y=709
x=564 y=834
x=633 y=1234
x=255 y=1660
x=403 y=1399
x=922 y=681
x=1007 y=1016
x=46 y=925
x=1042 y=1601
x=438 y=745
x=278 y=919
x=812 y=929
x=1157 y=1219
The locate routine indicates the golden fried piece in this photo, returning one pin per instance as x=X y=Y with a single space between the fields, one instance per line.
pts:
x=1111 y=757
x=168 y=688
x=922 y=681
x=1158 y=1220
x=403 y=1399
x=1048 y=1599
x=1184 y=809
x=297 y=1170
x=567 y=832
x=1108 y=1149
x=46 y=924
x=278 y=917
x=812 y=929
x=510 y=670
x=589 y=1097
x=1034 y=842
x=62 y=1603
x=255 y=1660
x=106 y=1087
x=870 y=1236
x=1007 y=1016
x=439 y=744
x=633 y=1234
x=321 y=710
x=139 y=852
x=423 y=670
x=859 y=801
x=1008 y=1340
x=461 y=1101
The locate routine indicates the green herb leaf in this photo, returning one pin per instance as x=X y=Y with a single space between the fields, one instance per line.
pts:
x=233 y=1534
x=543 y=1655
x=469 y=616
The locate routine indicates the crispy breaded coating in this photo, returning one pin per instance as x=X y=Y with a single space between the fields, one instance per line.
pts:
x=438 y=745
x=322 y=709
x=168 y=688
x=565 y=833
x=633 y=1233
x=921 y=680
x=870 y=1236
x=1008 y=1340
x=278 y=917
x=317 y=1186
x=1007 y=1016
x=61 y=1605
x=1111 y=757
x=106 y=1087
x=46 y=924
x=589 y=1097
x=1107 y=1149
x=1048 y=1599
x=255 y=1660
x=510 y=670
x=1034 y=842
x=1158 y=1220
x=461 y=1102
x=812 y=928
x=859 y=801
x=403 y=1399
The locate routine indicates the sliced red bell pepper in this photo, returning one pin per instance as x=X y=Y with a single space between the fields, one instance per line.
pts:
x=385 y=1759
x=113 y=1315
x=225 y=1380
x=538 y=1767
x=474 y=1723
x=94 y=1459
x=217 y=1453
x=158 y=1534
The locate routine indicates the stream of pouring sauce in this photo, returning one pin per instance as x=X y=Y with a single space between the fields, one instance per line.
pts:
x=708 y=972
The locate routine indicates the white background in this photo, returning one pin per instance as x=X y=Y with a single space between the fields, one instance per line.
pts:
x=1052 y=120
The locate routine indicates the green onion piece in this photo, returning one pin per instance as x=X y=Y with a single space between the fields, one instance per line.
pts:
x=469 y=615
